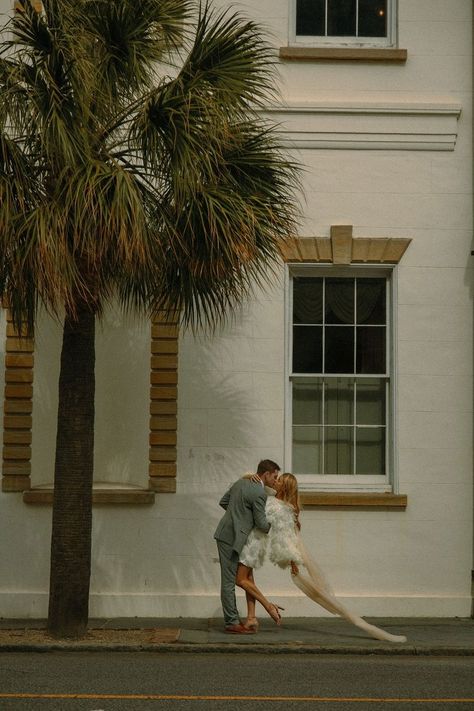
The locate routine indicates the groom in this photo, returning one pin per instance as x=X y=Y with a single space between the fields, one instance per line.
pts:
x=244 y=505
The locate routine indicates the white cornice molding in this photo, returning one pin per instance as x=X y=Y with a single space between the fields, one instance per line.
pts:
x=365 y=125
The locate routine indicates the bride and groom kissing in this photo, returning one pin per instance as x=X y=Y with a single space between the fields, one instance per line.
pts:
x=262 y=516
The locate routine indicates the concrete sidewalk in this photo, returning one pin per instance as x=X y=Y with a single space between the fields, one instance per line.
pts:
x=315 y=635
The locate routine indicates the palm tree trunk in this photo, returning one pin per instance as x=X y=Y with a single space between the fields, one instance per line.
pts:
x=73 y=473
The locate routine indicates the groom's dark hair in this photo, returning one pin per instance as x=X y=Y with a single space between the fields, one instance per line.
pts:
x=266 y=465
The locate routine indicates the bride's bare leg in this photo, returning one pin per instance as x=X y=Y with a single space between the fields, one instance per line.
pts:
x=245 y=581
x=251 y=622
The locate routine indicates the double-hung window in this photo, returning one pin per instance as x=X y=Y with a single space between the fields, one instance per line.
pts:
x=339 y=386
x=343 y=22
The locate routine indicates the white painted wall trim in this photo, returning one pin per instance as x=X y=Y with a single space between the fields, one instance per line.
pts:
x=34 y=605
x=364 y=125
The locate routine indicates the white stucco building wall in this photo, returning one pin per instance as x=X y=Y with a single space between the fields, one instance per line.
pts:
x=387 y=149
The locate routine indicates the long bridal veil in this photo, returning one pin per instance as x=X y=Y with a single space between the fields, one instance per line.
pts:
x=317 y=588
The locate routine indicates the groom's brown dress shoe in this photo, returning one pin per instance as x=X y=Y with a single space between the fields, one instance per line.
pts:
x=238 y=629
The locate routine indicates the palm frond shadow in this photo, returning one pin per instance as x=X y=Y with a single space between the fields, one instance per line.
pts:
x=174 y=551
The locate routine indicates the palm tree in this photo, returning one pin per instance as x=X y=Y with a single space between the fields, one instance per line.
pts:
x=134 y=166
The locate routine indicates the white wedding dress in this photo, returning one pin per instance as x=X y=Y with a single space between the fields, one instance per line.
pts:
x=283 y=544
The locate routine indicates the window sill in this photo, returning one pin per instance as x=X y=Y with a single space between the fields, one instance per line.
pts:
x=99 y=496
x=354 y=500
x=343 y=54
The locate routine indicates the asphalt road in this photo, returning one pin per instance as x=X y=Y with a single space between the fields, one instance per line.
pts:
x=233 y=682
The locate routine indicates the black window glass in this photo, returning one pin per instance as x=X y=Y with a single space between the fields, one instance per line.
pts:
x=370 y=349
x=307 y=402
x=370 y=451
x=371 y=302
x=372 y=18
x=307 y=300
x=371 y=401
x=341 y=18
x=307 y=349
x=339 y=349
x=339 y=450
x=339 y=306
x=339 y=401
x=310 y=17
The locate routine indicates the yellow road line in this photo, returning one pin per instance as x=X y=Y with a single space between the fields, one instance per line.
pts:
x=208 y=697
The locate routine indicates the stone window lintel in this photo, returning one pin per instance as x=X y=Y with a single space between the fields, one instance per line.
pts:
x=343 y=249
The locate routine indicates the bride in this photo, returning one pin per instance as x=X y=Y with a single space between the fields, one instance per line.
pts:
x=286 y=549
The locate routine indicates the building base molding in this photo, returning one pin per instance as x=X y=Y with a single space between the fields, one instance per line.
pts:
x=34 y=605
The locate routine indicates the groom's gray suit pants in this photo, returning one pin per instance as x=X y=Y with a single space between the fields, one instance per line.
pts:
x=229 y=560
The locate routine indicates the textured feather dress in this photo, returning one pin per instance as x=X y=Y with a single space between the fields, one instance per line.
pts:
x=281 y=542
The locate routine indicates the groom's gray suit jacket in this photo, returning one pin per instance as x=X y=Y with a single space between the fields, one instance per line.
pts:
x=244 y=505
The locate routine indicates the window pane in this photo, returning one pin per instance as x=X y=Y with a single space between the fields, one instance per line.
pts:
x=371 y=301
x=370 y=402
x=342 y=18
x=370 y=450
x=372 y=18
x=339 y=307
x=339 y=349
x=307 y=300
x=371 y=349
x=307 y=401
x=310 y=17
x=307 y=349
x=307 y=450
x=339 y=401
x=339 y=450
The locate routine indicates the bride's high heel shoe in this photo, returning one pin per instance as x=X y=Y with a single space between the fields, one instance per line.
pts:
x=274 y=612
x=251 y=623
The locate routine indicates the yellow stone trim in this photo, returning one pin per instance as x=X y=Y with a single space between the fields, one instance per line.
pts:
x=163 y=422
x=341 y=243
x=164 y=346
x=163 y=377
x=14 y=437
x=163 y=407
x=159 y=469
x=354 y=500
x=163 y=485
x=163 y=403
x=17 y=409
x=343 y=248
x=18 y=422
x=162 y=453
x=344 y=54
x=16 y=482
x=164 y=361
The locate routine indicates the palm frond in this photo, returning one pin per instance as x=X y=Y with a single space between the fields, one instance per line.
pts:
x=229 y=60
x=131 y=38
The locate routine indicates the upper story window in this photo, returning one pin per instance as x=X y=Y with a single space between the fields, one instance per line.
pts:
x=343 y=22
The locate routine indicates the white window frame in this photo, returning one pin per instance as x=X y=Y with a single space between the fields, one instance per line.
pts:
x=323 y=41
x=355 y=482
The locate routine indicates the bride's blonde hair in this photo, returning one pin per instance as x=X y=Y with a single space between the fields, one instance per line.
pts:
x=288 y=490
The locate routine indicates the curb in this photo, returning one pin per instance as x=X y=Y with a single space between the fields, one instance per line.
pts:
x=242 y=649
